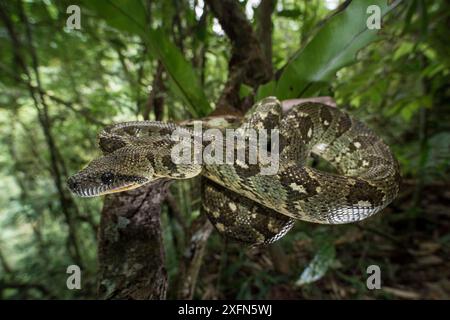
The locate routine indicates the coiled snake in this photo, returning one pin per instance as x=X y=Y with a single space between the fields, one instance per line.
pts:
x=242 y=203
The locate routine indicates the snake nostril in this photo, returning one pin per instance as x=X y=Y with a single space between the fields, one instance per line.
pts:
x=72 y=183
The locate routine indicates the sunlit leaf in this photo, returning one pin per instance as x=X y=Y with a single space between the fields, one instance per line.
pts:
x=334 y=47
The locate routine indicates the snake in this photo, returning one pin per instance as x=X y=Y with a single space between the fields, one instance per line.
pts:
x=240 y=201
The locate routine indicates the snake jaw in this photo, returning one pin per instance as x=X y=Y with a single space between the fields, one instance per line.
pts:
x=104 y=190
x=84 y=187
x=128 y=187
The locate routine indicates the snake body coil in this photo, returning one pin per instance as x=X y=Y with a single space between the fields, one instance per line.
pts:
x=242 y=203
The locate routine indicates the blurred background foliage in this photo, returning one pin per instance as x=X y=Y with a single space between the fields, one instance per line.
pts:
x=169 y=60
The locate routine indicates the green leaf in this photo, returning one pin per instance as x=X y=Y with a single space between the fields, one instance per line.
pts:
x=334 y=47
x=265 y=90
x=182 y=73
x=244 y=91
x=412 y=7
x=319 y=265
x=130 y=16
x=403 y=49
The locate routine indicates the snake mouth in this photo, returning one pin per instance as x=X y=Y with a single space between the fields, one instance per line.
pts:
x=127 y=187
x=103 y=189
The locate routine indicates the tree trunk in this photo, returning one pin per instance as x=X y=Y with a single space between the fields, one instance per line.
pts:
x=130 y=251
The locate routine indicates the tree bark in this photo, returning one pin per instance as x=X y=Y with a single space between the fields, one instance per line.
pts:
x=247 y=64
x=130 y=250
x=265 y=27
x=155 y=99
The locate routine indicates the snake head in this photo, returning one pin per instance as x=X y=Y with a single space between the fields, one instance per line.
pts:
x=135 y=153
x=128 y=168
x=125 y=169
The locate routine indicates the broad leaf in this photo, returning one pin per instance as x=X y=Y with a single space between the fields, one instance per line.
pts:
x=130 y=16
x=265 y=90
x=333 y=47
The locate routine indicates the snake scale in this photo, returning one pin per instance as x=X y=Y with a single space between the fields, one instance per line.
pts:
x=242 y=203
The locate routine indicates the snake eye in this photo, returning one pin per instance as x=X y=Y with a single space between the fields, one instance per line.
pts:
x=107 y=178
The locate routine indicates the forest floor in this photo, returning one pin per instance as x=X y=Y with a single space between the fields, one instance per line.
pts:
x=411 y=247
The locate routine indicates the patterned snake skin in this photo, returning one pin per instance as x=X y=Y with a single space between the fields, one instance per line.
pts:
x=242 y=203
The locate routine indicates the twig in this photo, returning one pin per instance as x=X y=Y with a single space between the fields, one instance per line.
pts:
x=155 y=99
x=193 y=257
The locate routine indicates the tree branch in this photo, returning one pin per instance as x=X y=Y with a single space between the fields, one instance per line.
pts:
x=265 y=27
x=155 y=99
x=130 y=250
x=247 y=64
x=193 y=257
